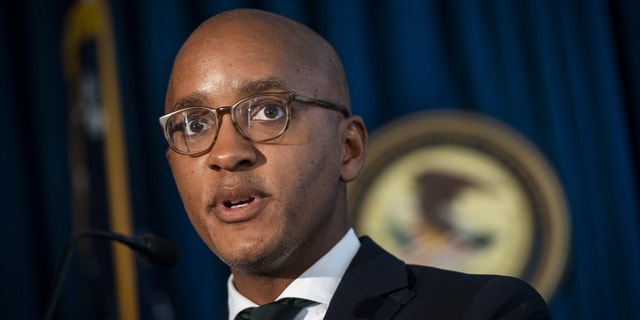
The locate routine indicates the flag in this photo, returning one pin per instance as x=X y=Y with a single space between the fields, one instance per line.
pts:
x=97 y=160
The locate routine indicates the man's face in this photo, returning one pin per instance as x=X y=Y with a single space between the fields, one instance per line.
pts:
x=256 y=205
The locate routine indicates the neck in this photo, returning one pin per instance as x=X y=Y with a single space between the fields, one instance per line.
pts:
x=265 y=287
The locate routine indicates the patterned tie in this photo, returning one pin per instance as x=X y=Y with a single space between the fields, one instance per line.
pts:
x=284 y=309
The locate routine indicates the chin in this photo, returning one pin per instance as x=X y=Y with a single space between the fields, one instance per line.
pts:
x=257 y=258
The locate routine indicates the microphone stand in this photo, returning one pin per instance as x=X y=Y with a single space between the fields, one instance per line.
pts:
x=140 y=245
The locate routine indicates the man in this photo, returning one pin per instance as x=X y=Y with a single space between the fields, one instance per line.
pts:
x=262 y=144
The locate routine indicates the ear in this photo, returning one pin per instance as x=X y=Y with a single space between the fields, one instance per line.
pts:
x=354 y=135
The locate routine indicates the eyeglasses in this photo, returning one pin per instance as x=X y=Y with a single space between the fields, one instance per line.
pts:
x=258 y=118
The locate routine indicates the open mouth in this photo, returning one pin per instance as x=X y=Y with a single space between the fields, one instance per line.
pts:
x=238 y=203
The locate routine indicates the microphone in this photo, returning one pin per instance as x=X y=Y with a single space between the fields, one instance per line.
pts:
x=148 y=247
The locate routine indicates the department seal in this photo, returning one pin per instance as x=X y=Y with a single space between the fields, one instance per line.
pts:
x=463 y=191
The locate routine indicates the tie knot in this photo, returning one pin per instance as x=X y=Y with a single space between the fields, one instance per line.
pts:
x=283 y=309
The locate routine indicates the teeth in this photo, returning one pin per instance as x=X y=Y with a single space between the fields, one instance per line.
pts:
x=237 y=204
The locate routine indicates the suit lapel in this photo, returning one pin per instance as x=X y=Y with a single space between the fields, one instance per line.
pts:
x=373 y=287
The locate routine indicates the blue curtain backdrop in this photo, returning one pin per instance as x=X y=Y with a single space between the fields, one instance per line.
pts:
x=566 y=74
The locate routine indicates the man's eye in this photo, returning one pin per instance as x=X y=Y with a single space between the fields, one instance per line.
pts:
x=197 y=125
x=268 y=112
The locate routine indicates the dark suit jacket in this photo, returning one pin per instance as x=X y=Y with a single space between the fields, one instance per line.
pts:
x=377 y=285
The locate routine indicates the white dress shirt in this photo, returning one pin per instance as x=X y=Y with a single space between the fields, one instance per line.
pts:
x=318 y=283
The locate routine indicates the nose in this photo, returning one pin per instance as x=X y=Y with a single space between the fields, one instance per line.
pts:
x=231 y=151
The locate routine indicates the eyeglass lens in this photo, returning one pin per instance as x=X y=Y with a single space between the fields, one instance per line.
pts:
x=258 y=119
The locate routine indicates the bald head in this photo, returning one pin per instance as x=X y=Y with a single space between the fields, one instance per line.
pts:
x=246 y=38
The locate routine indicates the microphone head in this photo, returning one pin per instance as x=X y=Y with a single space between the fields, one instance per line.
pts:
x=158 y=251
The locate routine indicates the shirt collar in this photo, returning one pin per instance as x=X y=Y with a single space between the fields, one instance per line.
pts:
x=318 y=283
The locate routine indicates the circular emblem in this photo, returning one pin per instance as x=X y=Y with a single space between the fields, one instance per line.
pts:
x=462 y=191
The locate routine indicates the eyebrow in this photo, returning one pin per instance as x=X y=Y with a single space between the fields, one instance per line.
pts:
x=194 y=99
x=247 y=88
x=244 y=89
